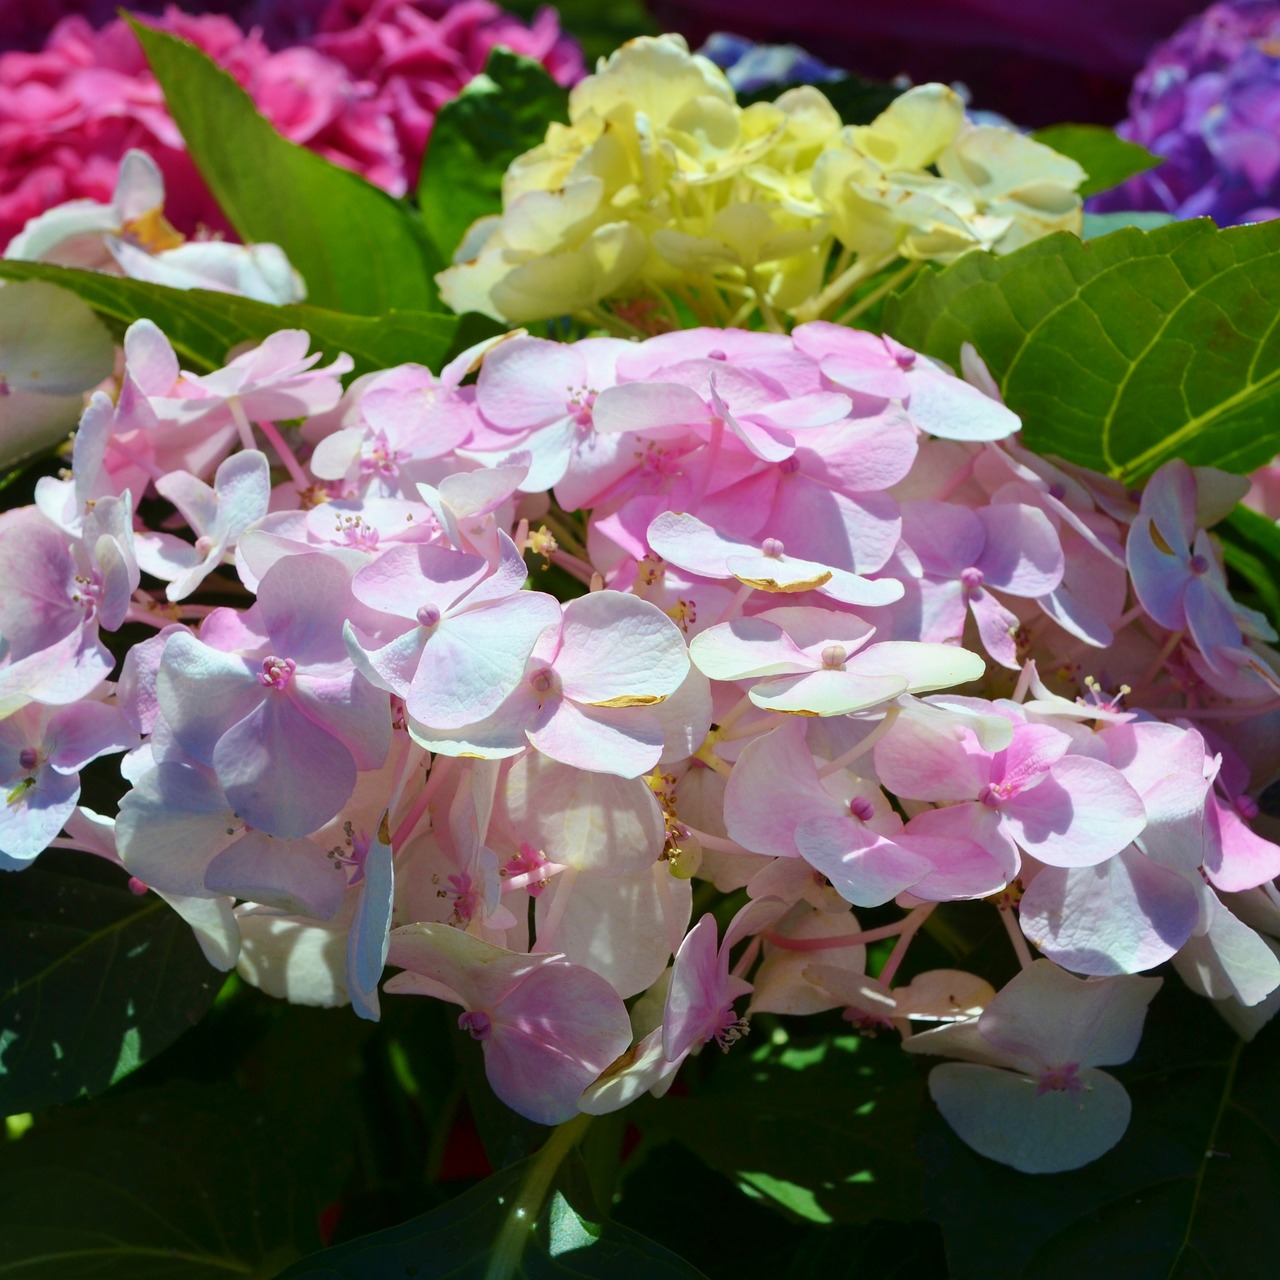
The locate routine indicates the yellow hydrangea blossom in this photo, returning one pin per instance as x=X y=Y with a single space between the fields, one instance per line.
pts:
x=662 y=192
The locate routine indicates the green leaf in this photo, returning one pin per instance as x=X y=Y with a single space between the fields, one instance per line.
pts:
x=1251 y=548
x=1124 y=352
x=94 y=980
x=1193 y=1189
x=856 y=99
x=500 y=115
x=192 y=1180
x=456 y=1240
x=358 y=249
x=825 y=1132
x=1106 y=158
x=203 y=326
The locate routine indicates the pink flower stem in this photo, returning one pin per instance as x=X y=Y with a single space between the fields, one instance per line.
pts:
x=1238 y=712
x=286 y=455
x=735 y=713
x=735 y=605
x=141 y=463
x=748 y=957
x=839 y=940
x=911 y=926
x=147 y=617
x=1014 y=930
x=574 y=567
x=241 y=419
x=867 y=744
x=754 y=729
x=404 y=828
x=551 y=925
x=540 y=874
x=708 y=841
x=1072 y=652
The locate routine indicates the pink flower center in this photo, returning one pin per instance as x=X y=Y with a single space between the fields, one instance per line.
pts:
x=862 y=808
x=994 y=794
x=29 y=757
x=276 y=672
x=1246 y=807
x=730 y=1028
x=1198 y=564
x=88 y=593
x=477 y=1022
x=971 y=579
x=526 y=865
x=833 y=657
x=378 y=457
x=543 y=682
x=428 y=616
x=204 y=544
x=772 y=547
x=580 y=405
x=789 y=466
x=466 y=898
x=1064 y=1079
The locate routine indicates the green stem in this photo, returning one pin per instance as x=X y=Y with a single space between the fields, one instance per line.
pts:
x=865 y=304
x=520 y=1220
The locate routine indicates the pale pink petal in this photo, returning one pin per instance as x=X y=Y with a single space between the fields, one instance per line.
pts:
x=1003 y=1117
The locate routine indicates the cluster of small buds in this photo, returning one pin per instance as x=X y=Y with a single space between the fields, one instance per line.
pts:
x=831 y=635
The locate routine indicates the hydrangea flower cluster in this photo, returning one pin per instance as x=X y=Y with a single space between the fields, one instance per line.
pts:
x=657 y=199
x=1208 y=100
x=363 y=92
x=830 y=636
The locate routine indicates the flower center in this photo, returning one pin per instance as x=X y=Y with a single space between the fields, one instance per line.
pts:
x=862 y=808
x=833 y=657
x=29 y=757
x=971 y=580
x=477 y=1022
x=1198 y=564
x=428 y=616
x=543 y=681
x=772 y=547
x=276 y=672
x=1064 y=1079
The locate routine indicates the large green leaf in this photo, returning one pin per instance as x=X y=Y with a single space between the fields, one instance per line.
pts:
x=358 y=249
x=1251 y=548
x=94 y=980
x=203 y=326
x=500 y=115
x=1192 y=1190
x=1106 y=158
x=191 y=1179
x=825 y=1132
x=1122 y=352
x=457 y=1241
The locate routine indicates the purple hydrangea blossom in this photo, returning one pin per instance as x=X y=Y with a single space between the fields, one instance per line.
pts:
x=1208 y=100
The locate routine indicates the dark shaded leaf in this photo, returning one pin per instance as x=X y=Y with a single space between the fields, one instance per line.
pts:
x=203 y=326
x=1193 y=1188
x=358 y=249
x=1105 y=157
x=191 y=1179
x=94 y=980
x=857 y=100
x=457 y=1241
x=824 y=1131
x=497 y=117
x=1123 y=352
